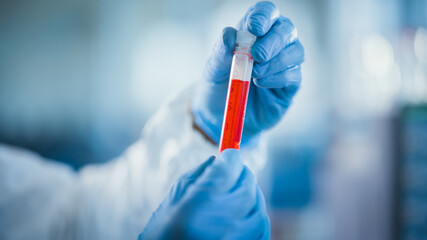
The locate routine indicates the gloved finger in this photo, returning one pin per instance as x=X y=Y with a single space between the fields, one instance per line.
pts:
x=286 y=93
x=218 y=65
x=259 y=18
x=262 y=209
x=277 y=106
x=198 y=170
x=252 y=228
x=179 y=189
x=223 y=173
x=282 y=98
x=259 y=217
x=290 y=56
x=264 y=216
x=259 y=205
x=281 y=34
x=290 y=78
x=256 y=225
x=242 y=196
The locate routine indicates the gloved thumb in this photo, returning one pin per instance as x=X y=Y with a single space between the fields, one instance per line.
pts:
x=218 y=66
x=187 y=179
x=223 y=173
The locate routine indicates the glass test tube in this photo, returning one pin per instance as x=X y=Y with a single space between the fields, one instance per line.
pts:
x=238 y=90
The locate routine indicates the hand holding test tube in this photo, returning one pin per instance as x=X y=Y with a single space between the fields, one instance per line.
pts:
x=277 y=54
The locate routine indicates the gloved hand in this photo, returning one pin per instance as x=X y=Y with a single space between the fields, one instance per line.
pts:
x=277 y=55
x=218 y=200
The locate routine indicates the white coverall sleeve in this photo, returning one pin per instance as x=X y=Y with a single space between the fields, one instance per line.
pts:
x=40 y=199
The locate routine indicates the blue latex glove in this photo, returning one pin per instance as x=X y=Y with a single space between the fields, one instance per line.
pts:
x=218 y=200
x=277 y=55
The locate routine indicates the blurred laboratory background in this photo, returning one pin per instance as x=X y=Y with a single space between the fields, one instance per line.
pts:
x=78 y=80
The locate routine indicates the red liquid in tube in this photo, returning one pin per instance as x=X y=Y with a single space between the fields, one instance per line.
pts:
x=234 y=115
x=238 y=89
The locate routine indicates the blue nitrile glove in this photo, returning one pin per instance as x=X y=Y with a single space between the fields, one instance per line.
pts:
x=276 y=74
x=218 y=200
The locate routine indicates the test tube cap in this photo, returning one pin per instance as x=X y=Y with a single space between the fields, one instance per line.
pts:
x=245 y=37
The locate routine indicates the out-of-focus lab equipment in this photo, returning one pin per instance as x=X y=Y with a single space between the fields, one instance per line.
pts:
x=238 y=90
x=409 y=217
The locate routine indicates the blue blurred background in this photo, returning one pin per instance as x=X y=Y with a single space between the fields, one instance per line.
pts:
x=78 y=80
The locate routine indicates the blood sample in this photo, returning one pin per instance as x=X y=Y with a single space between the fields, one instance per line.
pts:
x=238 y=90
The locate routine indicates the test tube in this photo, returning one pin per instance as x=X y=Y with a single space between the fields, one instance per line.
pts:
x=238 y=90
